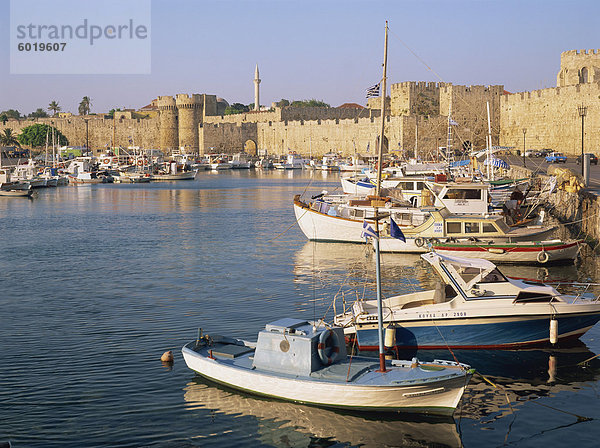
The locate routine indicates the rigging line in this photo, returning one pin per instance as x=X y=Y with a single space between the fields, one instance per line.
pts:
x=297 y=219
x=433 y=71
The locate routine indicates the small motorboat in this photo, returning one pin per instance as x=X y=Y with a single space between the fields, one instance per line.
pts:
x=16 y=193
x=304 y=362
x=474 y=306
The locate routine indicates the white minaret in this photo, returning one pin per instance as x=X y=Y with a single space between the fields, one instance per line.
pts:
x=256 y=90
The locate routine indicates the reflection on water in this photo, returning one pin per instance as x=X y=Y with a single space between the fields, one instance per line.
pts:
x=98 y=281
x=293 y=425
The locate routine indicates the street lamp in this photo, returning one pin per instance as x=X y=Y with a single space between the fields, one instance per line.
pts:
x=582 y=112
x=524 y=132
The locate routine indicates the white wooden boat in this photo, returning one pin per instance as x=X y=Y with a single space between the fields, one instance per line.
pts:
x=16 y=193
x=292 y=360
x=474 y=306
x=182 y=175
x=343 y=222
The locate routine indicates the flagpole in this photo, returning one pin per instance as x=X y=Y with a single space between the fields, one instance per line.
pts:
x=383 y=95
x=379 y=302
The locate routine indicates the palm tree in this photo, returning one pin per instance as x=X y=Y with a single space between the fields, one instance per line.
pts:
x=85 y=105
x=54 y=107
x=8 y=138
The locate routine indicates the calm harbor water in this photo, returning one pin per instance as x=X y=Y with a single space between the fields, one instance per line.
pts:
x=98 y=281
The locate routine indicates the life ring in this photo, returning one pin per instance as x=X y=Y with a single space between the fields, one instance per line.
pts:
x=61 y=165
x=419 y=241
x=140 y=162
x=543 y=257
x=328 y=351
x=115 y=160
x=106 y=161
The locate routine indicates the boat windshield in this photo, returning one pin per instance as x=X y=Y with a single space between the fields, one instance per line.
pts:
x=502 y=226
x=468 y=273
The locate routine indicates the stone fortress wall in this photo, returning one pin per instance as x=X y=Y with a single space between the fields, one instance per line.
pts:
x=550 y=117
x=417 y=120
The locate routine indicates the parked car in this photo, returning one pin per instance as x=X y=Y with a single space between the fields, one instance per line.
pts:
x=530 y=152
x=556 y=157
x=593 y=159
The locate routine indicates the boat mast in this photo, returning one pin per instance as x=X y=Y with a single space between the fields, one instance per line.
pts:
x=490 y=170
x=383 y=94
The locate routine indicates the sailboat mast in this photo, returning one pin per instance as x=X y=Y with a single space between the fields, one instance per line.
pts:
x=490 y=170
x=383 y=95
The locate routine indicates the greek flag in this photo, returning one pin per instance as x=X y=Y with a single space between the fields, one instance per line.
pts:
x=395 y=231
x=451 y=122
x=368 y=231
x=373 y=91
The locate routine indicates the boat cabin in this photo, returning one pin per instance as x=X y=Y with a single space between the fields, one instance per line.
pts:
x=296 y=347
x=461 y=198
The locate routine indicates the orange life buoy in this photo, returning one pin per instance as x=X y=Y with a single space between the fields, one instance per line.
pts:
x=140 y=162
x=106 y=161
x=115 y=160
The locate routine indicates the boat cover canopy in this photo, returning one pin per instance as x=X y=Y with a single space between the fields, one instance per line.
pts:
x=466 y=272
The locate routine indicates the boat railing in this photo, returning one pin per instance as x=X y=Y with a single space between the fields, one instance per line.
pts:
x=579 y=289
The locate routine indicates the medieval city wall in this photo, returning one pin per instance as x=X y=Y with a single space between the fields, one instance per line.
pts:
x=551 y=120
x=143 y=132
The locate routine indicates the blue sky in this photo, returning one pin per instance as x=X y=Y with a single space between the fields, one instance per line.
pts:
x=329 y=49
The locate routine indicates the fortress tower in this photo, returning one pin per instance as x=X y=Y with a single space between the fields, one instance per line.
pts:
x=578 y=67
x=256 y=89
x=169 y=136
x=189 y=108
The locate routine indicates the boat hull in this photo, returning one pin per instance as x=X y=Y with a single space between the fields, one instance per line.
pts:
x=439 y=398
x=189 y=175
x=513 y=253
x=480 y=333
x=321 y=227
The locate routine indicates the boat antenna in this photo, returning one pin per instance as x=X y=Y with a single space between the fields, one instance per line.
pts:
x=383 y=97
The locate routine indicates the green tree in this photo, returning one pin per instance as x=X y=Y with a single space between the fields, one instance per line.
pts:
x=85 y=105
x=35 y=135
x=8 y=138
x=309 y=103
x=3 y=118
x=236 y=108
x=283 y=103
x=111 y=113
x=39 y=113
x=12 y=113
x=54 y=107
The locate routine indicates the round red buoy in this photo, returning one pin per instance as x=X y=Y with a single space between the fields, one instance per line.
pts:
x=167 y=356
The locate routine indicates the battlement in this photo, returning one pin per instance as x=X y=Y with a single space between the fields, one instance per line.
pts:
x=571 y=53
x=166 y=103
x=183 y=100
x=589 y=89
x=417 y=85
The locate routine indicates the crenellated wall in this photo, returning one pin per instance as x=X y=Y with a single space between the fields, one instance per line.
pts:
x=551 y=118
x=142 y=132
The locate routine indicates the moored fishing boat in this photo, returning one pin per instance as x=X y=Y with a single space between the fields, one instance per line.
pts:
x=474 y=306
x=299 y=361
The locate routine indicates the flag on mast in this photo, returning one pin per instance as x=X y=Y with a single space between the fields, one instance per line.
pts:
x=368 y=231
x=373 y=91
